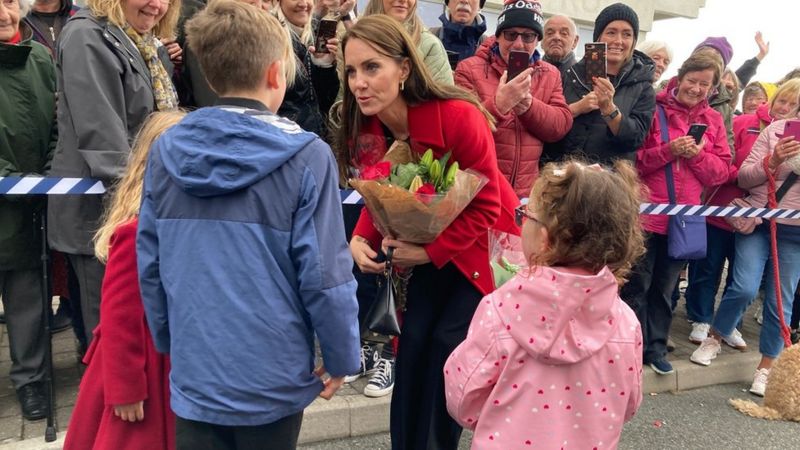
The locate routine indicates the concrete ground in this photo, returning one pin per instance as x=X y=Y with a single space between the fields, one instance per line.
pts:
x=349 y=413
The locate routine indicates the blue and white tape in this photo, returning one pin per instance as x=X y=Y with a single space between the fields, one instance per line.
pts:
x=89 y=186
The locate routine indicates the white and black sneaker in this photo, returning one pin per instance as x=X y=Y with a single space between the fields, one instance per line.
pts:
x=369 y=359
x=382 y=381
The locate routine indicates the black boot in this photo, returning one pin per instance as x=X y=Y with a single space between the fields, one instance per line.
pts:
x=31 y=399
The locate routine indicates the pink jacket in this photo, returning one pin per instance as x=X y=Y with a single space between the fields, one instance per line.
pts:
x=753 y=178
x=550 y=357
x=518 y=139
x=709 y=168
x=746 y=129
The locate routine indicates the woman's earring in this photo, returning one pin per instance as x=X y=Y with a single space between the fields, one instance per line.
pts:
x=402 y=84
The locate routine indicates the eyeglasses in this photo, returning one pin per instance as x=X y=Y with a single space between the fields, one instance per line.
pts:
x=528 y=37
x=521 y=213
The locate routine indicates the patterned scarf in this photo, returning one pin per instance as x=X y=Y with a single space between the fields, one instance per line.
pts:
x=163 y=90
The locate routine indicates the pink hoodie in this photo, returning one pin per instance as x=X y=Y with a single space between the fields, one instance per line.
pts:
x=551 y=358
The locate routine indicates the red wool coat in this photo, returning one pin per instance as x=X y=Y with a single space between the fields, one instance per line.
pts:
x=124 y=366
x=455 y=126
x=519 y=139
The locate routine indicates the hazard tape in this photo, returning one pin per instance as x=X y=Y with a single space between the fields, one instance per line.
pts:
x=89 y=186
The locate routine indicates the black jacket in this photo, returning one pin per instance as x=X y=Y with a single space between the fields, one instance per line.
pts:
x=43 y=32
x=590 y=136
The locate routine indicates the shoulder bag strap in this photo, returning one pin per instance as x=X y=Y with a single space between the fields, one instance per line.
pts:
x=662 y=119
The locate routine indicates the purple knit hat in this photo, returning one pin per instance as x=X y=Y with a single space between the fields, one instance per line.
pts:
x=721 y=45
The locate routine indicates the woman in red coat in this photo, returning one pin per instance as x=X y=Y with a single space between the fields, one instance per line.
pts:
x=391 y=96
x=123 y=399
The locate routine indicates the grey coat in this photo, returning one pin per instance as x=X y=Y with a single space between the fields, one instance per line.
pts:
x=104 y=95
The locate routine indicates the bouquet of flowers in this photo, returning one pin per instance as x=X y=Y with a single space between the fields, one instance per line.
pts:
x=415 y=199
x=506 y=257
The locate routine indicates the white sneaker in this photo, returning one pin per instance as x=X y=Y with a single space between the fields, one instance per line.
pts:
x=735 y=340
x=707 y=351
x=369 y=356
x=759 y=385
x=382 y=381
x=699 y=332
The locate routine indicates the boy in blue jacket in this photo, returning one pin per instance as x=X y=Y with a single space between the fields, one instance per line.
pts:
x=241 y=248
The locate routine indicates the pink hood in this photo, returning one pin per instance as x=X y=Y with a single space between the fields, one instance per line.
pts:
x=549 y=353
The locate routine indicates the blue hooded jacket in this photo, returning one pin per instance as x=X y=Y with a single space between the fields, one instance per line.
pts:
x=242 y=258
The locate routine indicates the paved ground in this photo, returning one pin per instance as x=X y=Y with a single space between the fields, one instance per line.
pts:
x=67 y=375
x=696 y=419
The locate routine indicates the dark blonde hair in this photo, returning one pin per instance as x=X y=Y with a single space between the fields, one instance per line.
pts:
x=388 y=37
x=235 y=43
x=790 y=88
x=126 y=195
x=115 y=13
x=591 y=216
x=412 y=23
x=702 y=59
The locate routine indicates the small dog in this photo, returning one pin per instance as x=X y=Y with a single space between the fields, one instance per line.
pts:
x=782 y=397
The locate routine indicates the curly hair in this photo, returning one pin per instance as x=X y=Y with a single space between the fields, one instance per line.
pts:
x=591 y=215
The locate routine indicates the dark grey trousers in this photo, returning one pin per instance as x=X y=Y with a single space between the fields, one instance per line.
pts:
x=22 y=303
x=89 y=272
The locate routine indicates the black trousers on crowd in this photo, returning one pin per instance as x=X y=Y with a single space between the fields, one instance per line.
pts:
x=89 y=272
x=279 y=435
x=649 y=293
x=440 y=307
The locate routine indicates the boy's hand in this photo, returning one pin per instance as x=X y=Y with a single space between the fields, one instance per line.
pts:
x=332 y=384
x=131 y=412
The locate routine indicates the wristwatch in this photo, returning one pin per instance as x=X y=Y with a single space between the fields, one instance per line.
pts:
x=611 y=116
x=346 y=17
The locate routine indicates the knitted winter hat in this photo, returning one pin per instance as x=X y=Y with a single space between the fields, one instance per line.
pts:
x=521 y=13
x=483 y=2
x=617 y=11
x=721 y=45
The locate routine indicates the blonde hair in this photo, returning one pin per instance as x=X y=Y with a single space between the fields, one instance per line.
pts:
x=591 y=215
x=389 y=38
x=790 y=88
x=413 y=23
x=306 y=37
x=127 y=192
x=114 y=12
x=235 y=43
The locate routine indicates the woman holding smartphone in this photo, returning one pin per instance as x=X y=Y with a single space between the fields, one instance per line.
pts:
x=767 y=159
x=694 y=165
x=612 y=114
x=391 y=95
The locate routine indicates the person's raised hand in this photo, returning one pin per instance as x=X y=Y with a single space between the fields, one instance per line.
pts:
x=787 y=147
x=509 y=93
x=763 y=47
x=605 y=91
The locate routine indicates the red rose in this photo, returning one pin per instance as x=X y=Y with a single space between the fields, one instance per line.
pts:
x=425 y=193
x=379 y=171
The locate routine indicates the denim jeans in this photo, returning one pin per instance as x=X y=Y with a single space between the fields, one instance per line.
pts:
x=753 y=258
x=705 y=274
x=649 y=293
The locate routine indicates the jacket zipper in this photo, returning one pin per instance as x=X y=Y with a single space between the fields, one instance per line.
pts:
x=53 y=35
x=517 y=151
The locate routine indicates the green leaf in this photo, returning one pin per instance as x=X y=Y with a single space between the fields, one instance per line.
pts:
x=403 y=174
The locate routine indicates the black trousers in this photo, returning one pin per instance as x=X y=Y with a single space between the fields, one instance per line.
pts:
x=649 y=293
x=440 y=307
x=279 y=435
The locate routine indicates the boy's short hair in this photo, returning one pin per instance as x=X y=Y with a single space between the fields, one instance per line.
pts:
x=235 y=43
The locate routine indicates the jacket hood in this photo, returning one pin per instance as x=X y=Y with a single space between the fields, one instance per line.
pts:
x=667 y=98
x=762 y=112
x=219 y=150
x=564 y=318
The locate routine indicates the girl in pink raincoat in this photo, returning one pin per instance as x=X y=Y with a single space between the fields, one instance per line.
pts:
x=553 y=358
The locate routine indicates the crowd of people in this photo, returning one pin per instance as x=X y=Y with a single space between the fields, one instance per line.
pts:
x=221 y=258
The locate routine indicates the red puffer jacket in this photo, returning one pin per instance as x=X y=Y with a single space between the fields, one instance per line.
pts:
x=707 y=169
x=518 y=139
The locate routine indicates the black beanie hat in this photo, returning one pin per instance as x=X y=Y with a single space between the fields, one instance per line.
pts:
x=617 y=11
x=483 y=2
x=521 y=13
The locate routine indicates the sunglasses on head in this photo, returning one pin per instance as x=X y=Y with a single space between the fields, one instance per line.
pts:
x=528 y=37
x=521 y=213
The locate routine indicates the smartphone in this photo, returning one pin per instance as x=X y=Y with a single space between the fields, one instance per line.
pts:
x=595 y=57
x=697 y=130
x=792 y=128
x=327 y=30
x=518 y=61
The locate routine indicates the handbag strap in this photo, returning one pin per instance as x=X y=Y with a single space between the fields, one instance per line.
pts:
x=662 y=119
x=389 y=253
x=787 y=183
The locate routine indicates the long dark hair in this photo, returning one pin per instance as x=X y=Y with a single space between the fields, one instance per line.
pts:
x=389 y=38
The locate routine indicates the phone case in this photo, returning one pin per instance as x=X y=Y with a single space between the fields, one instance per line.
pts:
x=517 y=62
x=697 y=130
x=595 y=58
x=327 y=30
x=792 y=128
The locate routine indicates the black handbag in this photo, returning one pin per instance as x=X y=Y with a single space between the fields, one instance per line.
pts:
x=382 y=315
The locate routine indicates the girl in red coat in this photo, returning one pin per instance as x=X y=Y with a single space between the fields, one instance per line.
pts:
x=123 y=400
